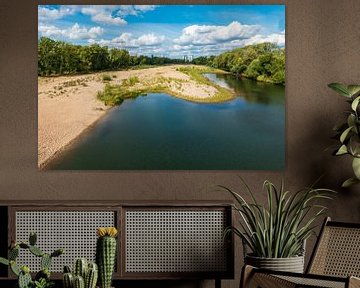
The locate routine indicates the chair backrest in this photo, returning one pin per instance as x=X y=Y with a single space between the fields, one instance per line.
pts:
x=337 y=251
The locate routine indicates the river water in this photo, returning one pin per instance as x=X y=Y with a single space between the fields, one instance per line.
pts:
x=161 y=132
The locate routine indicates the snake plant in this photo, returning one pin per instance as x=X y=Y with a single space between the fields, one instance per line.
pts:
x=279 y=228
x=348 y=132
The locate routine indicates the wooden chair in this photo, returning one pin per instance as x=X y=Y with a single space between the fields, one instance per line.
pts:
x=335 y=262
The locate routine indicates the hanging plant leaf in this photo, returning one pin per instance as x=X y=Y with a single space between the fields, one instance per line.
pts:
x=340 y=88
x=351 y=120
x=355 y=103
x=356 y=167
x=345 y=134
x=354 y=145
x=349 y=182
x=342 y=150
x=353 y=89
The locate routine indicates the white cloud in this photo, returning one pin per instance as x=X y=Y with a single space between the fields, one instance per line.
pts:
x=103 y=14
x=108 y=19
x=210 y=47
x=134 y=10
x=75 y=32
x=211 y=34
x=127 y=40
x=277 y=38
x=114 y=14
x=48 y=14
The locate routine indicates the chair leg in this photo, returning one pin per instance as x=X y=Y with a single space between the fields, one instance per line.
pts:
x=246 y=273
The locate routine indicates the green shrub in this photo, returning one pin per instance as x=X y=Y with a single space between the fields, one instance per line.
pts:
x=106 y=77
x=130 y=81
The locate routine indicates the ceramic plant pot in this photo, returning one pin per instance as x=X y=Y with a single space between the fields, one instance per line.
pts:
x=291 y=264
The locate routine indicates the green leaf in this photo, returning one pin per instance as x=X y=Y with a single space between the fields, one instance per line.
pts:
x=13 y=253
x=355 y=103
x=342 y=150
x=345 y=134
x=4 y=261
x=353 y=89
x=32 y=238
x=354 y=145
x=14 y=268
x=340 y=88
x=36 y=251
x=349 y=182
x=45 y=261
x=351 y=120
x=356 y=167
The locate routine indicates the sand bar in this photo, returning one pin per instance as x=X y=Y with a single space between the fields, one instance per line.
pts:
x=67 y=105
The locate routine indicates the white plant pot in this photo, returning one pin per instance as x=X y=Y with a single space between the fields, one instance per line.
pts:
x=291 y=264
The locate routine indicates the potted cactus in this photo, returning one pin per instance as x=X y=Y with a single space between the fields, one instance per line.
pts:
x=84 y=275
x=106 y=254
x=42 y=278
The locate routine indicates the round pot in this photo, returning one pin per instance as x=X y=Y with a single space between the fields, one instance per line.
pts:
x=291 y=264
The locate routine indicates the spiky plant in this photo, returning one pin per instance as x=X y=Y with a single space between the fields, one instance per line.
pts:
x=42 y=278
x=279 y=229
x=85 y=274
x=106 y=254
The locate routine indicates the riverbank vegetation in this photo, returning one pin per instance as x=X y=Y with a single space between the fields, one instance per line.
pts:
x=261 y=62
x=132 y=87
x=62 y=58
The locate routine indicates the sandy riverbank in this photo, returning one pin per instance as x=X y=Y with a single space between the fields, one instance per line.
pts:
x=67 y=105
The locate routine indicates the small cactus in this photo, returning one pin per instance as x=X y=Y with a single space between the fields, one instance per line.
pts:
x=68 y=280
x=23 y=273
x=67 y=269
x=24 y=280
x=13 y=253
x=36 y=251
x=32 y=239
x=106 y=254
x=45 y=261
x=80 y=268
x=24 y=246
x=84 y=274
x=79 y=282
x=44 y=273
x=14 y=268
x=57 y=252
x=91 y=276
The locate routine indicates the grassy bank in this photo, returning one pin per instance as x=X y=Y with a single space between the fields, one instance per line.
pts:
x=133 y=87
x=196 y=74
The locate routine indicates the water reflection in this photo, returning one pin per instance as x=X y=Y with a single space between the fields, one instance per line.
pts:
x=249 y=90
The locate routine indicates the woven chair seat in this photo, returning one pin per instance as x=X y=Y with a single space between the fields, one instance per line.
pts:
x=313 y=282
x=335 y=262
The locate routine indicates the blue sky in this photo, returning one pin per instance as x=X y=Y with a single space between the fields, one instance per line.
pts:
x=164 y=30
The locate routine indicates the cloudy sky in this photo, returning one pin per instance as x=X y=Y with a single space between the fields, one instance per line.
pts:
x=164 y=30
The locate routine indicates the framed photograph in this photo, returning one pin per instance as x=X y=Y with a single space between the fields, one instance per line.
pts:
x=161 y=87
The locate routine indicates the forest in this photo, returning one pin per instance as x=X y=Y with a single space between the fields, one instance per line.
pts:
x=261 y=62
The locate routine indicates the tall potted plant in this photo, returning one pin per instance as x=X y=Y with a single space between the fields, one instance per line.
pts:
x=276 y=233
x=348 y=132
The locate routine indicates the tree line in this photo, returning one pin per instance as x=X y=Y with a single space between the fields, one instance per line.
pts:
x=58 y=57
x=261 y=62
